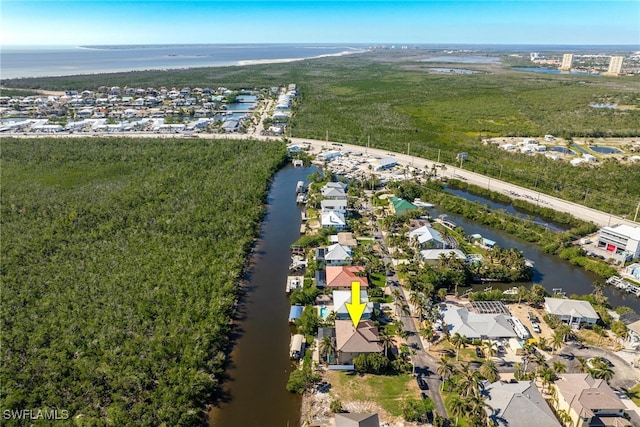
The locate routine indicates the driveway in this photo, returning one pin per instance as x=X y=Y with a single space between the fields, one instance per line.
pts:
x=625 y=376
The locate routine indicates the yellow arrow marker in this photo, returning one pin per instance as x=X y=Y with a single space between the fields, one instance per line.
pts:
x=355 y=307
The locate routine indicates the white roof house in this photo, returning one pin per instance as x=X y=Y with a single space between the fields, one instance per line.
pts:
x=338 y=205
x=333 y=219
x=342 y=297
x=518 y=404
x=427 y=236
x=338 y=254
x=477 y=325
x=433 y=255
x=573 y=312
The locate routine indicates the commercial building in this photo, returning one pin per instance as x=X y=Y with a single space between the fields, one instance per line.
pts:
x=615 y=65
x=567 y=62
x=621 y=240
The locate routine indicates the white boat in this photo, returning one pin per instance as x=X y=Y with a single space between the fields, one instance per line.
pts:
x=512 y=291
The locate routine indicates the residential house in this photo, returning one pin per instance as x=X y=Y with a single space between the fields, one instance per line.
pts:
x=342 y=277
x=351 y=342
x=333 y=219
x=345 y=238
x=336 y=205
x=340 y=298
x=334 y=191
x=589 y=402
x=427 y=237
x=357 y=420
x=432 y=256
x=335 y=254
x=518 y=404
x=477 y=325
x=401 y=206
x=573 y=312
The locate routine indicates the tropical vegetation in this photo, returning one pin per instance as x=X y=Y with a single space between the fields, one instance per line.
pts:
x=122 y=262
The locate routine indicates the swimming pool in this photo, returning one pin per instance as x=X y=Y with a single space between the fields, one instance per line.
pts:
x=324 y=312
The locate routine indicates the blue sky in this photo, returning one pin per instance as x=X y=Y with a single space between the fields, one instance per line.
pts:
x=26 y=22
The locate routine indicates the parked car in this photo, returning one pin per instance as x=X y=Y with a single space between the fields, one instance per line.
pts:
x=479 y=352
x=535 y=327
x=422 y=384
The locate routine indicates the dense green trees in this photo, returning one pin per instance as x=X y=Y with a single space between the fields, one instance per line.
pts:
x=121 y=262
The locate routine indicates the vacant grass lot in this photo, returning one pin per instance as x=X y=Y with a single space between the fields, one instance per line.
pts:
x=387 y=392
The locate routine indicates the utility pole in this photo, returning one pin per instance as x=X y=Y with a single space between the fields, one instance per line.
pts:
x=368 y=142
x=636 y=215
x=585 y=195
x=438 y=155
x=500 y=178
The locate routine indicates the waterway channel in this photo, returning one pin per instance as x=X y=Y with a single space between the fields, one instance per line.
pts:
x=260 y=362
x=550 y=271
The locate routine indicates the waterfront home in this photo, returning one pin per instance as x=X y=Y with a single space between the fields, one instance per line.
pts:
x=432 y=256
x=336 y=205
x=632 y=271
x=335 y=254
x=333 y=219
x=340 y=298
x=427 y=237
x=477 y=325
x=334 y=191
x=483 y=242
x=573 y=312
x=401 y=206
x=518 y=404
x=351 y=342
x=589 y=402
x=357 y=420
x=342 y=277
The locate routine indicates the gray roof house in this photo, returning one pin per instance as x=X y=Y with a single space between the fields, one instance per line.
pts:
x=342 y=297
x=573 y=312
x=518 y=405
x=338 y=205
x=357 y=420
x=477 y=325
x=338 y=254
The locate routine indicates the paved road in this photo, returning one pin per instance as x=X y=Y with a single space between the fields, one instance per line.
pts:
x=425 y=365
x=600 y=218
x=588 y=214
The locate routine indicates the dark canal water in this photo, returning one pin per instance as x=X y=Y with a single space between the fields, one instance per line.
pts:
x=260 y=359
x=549 y=270
x=507 y=208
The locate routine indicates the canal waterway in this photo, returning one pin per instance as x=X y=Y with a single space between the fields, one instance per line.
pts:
x=507 y=207
x=549 y=270
x=260 y=364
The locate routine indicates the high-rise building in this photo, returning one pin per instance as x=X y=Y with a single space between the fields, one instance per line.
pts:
x=567 y=60
x=615 y=65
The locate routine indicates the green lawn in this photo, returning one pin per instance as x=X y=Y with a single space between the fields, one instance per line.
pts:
x=389 y=392
x=634 y=394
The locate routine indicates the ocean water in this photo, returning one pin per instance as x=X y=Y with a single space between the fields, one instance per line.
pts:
x=33 y=61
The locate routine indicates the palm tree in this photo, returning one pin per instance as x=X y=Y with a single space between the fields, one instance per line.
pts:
x=490 y=348
x=327 y=348
x=556 y=341
x=387 y=341
x=602 y=371
x=522 y=292
x=469 y=381
x=518 y=372
x=458 y=406
x=489 y=370
x=582 y=364
x=477 y=410
x=543 y=344
x=547 y=376
x=564 y=416
x=559 y=367
x=458 y=341
x=445 y=368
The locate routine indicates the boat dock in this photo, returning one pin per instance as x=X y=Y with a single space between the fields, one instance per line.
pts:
x=297 y=263
x=622 y=284
x=297 y=163
x=442 y=220
x=293 y=283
